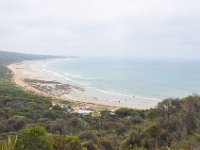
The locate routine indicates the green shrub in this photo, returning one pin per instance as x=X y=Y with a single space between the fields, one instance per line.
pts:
x=34 y=138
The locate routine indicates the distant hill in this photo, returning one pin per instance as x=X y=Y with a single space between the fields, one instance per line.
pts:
x=12 y=57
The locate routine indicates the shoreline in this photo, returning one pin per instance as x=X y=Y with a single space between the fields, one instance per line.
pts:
x=47 y=84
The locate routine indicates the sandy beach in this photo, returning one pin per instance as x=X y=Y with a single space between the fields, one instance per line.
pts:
x=48 y=84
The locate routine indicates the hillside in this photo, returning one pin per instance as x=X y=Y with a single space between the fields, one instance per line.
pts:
x=29 y=121
x=11 y=57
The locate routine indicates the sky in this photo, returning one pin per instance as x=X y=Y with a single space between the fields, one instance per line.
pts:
x=133 y=28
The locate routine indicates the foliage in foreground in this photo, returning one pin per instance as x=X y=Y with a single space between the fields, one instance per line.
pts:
x=34 y=138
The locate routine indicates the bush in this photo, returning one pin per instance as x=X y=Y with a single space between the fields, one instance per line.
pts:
x=90 y=146
x=66 y=143
x=88 y=136
x=59 y=126
x=106 y=144
x=34 y=138
x=125 y=112
x=16 y=123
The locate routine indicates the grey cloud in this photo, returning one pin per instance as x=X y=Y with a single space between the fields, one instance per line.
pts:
x=138 y=28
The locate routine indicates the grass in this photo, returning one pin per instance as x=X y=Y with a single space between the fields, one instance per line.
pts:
x=9 y=143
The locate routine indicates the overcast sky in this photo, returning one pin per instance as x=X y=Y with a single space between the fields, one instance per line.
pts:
x=136 y=28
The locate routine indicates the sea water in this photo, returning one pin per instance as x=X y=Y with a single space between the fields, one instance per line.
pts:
x=151 y=79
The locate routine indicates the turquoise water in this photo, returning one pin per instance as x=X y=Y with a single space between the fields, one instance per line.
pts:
x=142 y=78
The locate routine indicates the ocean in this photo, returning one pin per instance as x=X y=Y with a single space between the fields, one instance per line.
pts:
x=152 y=80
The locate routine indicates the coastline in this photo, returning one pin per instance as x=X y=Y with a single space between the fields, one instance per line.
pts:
x=47 y=84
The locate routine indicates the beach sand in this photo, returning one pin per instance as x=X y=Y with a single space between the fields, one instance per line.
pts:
x=46 y=84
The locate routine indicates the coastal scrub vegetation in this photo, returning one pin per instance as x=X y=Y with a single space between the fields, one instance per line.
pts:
x=30 y=122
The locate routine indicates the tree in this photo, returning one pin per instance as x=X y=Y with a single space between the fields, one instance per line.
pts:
x=34 y=138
